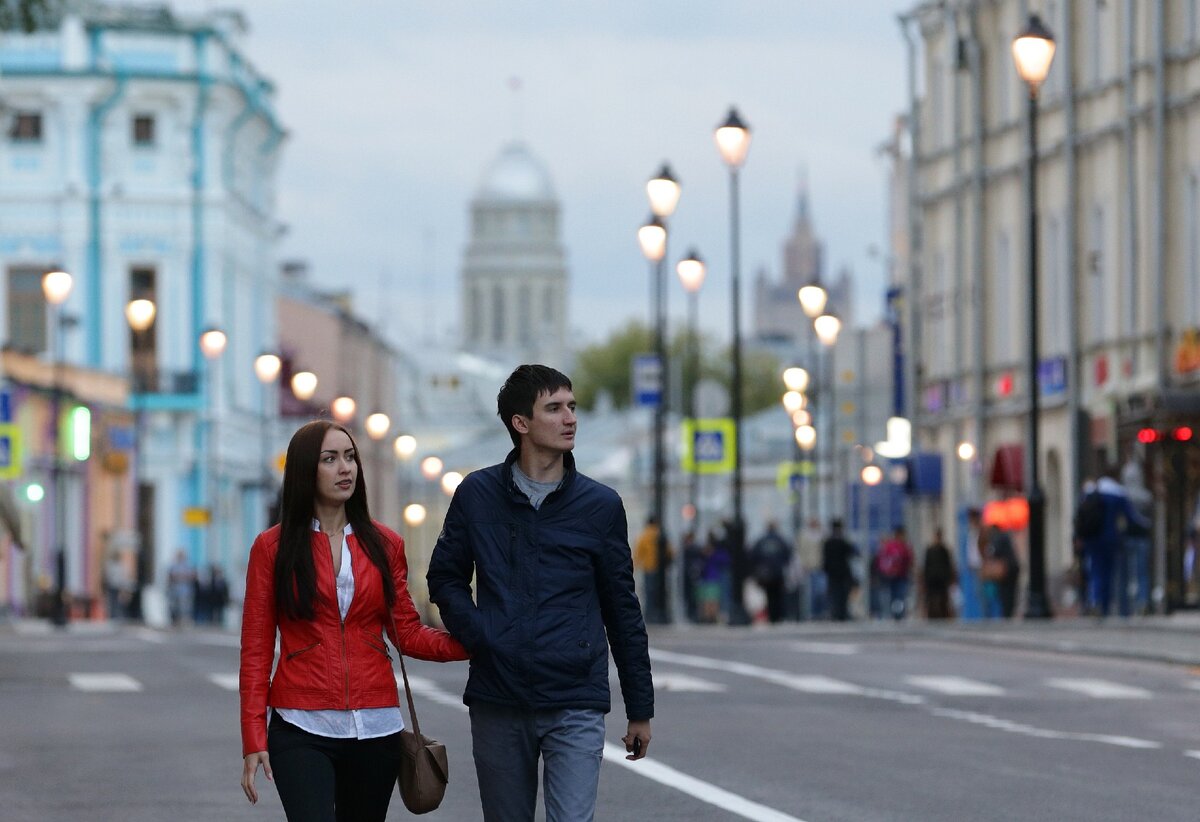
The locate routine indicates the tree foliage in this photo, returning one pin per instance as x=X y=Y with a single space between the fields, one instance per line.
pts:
x=607 y=367
x=28 y=15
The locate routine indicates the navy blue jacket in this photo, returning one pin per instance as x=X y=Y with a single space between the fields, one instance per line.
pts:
x=554 y=590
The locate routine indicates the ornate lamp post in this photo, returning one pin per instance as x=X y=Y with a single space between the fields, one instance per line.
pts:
x=267 y=366
x=733 y=143
x=1033 y=52
x=691 y=270
x=827 y=327
x=212 y=346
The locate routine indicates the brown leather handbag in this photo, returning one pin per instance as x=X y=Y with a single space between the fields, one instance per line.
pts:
x=424 y=767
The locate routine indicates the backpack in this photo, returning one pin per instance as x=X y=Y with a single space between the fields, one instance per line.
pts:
x=1089 y=519
x=893 y=559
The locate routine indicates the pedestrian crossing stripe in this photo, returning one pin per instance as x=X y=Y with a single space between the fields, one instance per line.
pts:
x=683 y=682
x=227 y=681
x=104 y=683
x=954 y=686
x=1100 y=689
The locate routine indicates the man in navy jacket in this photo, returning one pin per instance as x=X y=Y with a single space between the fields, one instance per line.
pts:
x=549 y=551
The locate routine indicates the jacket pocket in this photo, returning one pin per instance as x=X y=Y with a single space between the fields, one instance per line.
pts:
x=293 y=654
x=374 y=641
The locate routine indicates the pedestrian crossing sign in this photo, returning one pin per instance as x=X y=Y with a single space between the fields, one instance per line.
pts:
x=10 y=450
x=709 y=445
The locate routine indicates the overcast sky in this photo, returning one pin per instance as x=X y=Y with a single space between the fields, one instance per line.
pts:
x=395 y=110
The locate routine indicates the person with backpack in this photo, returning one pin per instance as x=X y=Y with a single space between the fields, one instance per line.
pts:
x=770 y=556
x=894 y=562
x=1103 y=516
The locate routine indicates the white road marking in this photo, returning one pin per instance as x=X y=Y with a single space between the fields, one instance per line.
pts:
x=690 y=785
x=428 y=689
x=809 y=684
x=104 y=683
x=227 y=681
x=1192 y=754
x=1008 y=726
x=648 y=768
x=151 y=636
x=954 y=685
x=1100 y=689
x=683 y=682
x=1195 y=686
x=834 y=648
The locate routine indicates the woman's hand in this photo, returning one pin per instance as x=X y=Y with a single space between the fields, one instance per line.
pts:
x=250 y=770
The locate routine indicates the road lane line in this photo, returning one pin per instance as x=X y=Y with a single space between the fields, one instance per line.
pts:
x=1008 y=726
x=683 y=682
x=227 y=681
x=697 y=788
x=955 y=685
x=1192 y=754
x=104 y=683
x=835 y=648
x=1100 y=689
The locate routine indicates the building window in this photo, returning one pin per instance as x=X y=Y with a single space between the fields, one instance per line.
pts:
x=26 y=127
x=1054 y=290
x=143 y=345
x=143 y=129
x=498 y=325
x=27 y=309
x=1002 y=332
x=549 y=305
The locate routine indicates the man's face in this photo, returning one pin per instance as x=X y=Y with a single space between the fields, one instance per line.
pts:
x=552 y=426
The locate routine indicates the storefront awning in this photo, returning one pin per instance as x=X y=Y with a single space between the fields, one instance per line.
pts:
x=1008 y=468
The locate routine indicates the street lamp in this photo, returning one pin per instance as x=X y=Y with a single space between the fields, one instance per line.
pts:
x=663 y=193
x=140 y=314
x=212 y=346
x=691 y=270
x=733 y=143
x=1033 y=51
x=342 y=408
x=812 y=300
x=827 y=326
x=304 y=385
x=267 y=366
x=56 y=287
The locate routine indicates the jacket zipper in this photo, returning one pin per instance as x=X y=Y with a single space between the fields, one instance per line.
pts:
x=345 y=662
x=302 y=650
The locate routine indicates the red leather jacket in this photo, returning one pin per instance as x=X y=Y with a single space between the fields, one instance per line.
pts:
x=325 y=663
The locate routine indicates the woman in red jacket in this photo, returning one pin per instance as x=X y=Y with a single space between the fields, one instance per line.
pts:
x=329 y=581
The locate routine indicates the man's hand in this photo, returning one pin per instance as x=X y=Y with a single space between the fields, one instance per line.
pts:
x=250 y=770
x=637 y=739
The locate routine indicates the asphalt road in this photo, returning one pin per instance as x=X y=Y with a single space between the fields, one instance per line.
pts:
x=773 y=726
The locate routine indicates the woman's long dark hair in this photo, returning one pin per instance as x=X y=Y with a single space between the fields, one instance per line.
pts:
x=295 y=572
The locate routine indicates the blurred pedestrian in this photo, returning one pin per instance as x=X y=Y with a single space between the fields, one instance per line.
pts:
x=218 y=594
x=118 y=586
x=769 y=559
x=533 y=571
x=328 y=582
x=714 y=589
x=181 y=579
x=693 y=569
x=646 y=559
x=895 y=563
x=837 y=553
x=1103 y=537
x=813 y=603
x=1000 y=571
x=937 y=578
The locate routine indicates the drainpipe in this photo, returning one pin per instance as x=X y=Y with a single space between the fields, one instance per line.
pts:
x=913 y=285
x=1159 y=208
x=197 y=480
x=961 y=280
x=1066 y=45
x=978 y=215
x=93 y=293
x=1130 y=301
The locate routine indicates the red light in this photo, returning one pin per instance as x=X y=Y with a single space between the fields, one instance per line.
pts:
x=1183 y=433
x=1004 y=385
x=1147 y=435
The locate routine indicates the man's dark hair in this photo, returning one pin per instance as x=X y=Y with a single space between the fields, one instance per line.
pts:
x=521 y=390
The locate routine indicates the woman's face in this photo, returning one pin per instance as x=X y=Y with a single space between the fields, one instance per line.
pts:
x=337 y=472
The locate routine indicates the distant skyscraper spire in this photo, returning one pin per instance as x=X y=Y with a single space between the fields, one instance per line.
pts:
x=802 y=194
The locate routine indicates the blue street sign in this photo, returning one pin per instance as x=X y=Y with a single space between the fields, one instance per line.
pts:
x=647 y=380
x=5 y=405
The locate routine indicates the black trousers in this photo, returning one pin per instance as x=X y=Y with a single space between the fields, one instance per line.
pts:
x=320 y=779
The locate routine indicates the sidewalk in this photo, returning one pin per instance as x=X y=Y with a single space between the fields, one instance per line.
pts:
x=1171 y=639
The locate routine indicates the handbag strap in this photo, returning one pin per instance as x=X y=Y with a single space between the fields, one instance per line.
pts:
x=412 y=710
